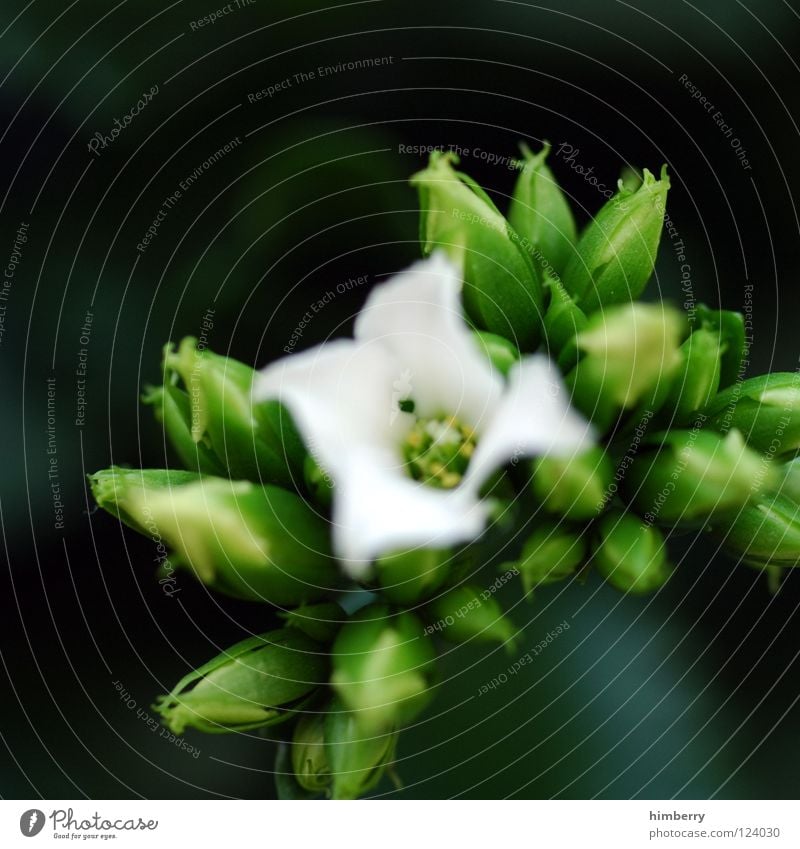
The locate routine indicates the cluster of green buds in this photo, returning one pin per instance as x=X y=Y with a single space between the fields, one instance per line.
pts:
x=683 y=440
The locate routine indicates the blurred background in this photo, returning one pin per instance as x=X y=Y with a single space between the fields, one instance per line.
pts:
x=269 y=150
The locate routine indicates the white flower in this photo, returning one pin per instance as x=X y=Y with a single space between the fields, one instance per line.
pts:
x=351 y=400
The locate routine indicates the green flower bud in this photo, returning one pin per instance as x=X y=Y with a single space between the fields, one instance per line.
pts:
x=501 y=353
x=321 y=622
x=112 y=489
x=318 y=482
x=630 y=354
x=256 y=442
x=469 y=613
x=261 y=681
x=616 y=253
x=382 y=665
x=789 y=480
x=631 y=556
x=765 y=532
x=564 y=319
x=551 y=554
x=575 y=487
x=330 y=754
x=309 y=753
x=357 y=759
x=540 y=212
x=406 y=577
x=502 y=288
x=733 y=342
x=467 y=560
x=685 y=476
x=252 y=542
x=286 y=785
x=696 y=380
x=171 y=408
x=652 y=402
x=631 y=178
x=765 y=409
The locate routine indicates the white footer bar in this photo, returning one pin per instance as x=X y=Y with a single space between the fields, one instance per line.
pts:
x=401 y=825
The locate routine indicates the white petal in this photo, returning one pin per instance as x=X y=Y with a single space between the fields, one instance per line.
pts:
x=341 y=397
x=378 y=510
x=533 y=418
x=417 y=315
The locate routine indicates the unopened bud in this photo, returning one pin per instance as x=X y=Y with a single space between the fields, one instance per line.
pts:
x=630 y=354
x=765 y=409
x=318 y=482
x=630 y=178
x=551 y=554
x=733 y=342
x=171 y=407
x=501 y=353
x=470 y=613
x=406 y=577
x=321 y=622
x=540 y=213
x=575 y=487
x=261 y=543
x=309 y=754
x=357 y=759
x=685 y=476
x=696 y=380
x=382 y=664
x=259 y=682
x=564 y=319
x=789 y=479
x=764 y=532
x=616 y=253
x=631 y=556
x=112 y=490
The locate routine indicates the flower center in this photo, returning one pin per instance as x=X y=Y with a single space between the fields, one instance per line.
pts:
x=437 y=451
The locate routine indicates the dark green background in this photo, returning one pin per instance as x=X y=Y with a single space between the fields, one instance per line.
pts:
x=691 y=693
